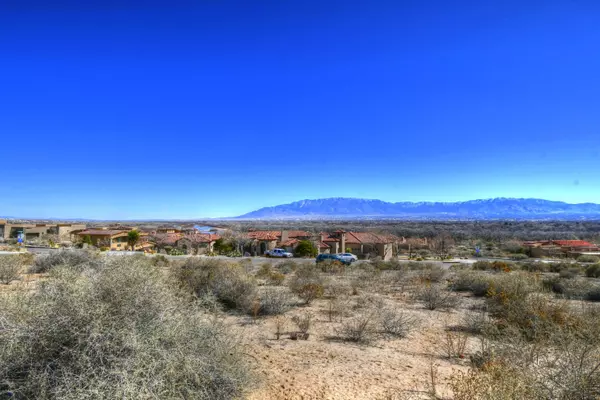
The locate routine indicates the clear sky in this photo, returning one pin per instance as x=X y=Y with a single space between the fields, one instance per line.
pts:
x=182 y=109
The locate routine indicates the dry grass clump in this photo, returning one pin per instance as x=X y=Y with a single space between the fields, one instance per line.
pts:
x=398 y=323
x=475 y=282
x=307 y=283
x=436 y=297
x=121 y=330
x=273 y=301
x=228 y=282
x=358 y=329
x=10 y=268
x=494 y=266
x=75 y=259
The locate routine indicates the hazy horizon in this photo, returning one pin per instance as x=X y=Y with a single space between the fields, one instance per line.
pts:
x=176 y=110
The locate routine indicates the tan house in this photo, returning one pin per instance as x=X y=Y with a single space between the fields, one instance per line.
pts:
x=34 y=231
x=197 y=243
x=261 y=241
x=363 y=244
x=115 y=239
x=560 y=248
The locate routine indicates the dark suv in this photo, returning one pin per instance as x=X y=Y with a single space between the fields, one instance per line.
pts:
x=333 y=258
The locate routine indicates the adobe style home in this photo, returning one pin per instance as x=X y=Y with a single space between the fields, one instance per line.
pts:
x=558 y=248
x=115 y=239
x=261 y=241
x=34 y=231
x=189 y=241
x=363 y=244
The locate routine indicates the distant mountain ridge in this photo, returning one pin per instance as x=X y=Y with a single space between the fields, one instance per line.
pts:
x=496 y=208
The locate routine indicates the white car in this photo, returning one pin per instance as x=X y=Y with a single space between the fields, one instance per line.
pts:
x=278 y=253
x=348 y=257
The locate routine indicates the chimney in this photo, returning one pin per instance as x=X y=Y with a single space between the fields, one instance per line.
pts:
x=343 y=241
x=285 y=235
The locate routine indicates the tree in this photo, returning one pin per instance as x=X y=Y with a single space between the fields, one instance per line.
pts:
x=441 y=245
x=305 y=248
x=222 y=247
x=87 y=239
x=133 y=237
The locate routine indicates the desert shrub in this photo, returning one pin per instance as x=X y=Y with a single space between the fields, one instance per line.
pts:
x=569 y=273
x=273 y=301
x=264 y=271
x=593 y=271
x=10 y=268
x=359 y=329
x=397 y=323
x=306 y=248
x=286 y=266
x=477 y=322
x=332 y=266
x=519 y=257
x=435 y=297
x=75 y=259
x=593 y=294
x=453 y=344
x=160 y=261
x=558 y=266
x=498 y=381
x=389 y=265
x=575 y=289
x=495 y=266
x=226 y=281
x=535 y=266
x=121 y=331
x=276 y=278
x=303 y=322
x=432 y=273
x=470 y=281
x=588 y=259
x=175 y=251
x=307 y=283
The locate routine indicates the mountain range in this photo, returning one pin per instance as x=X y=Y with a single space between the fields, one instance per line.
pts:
x=497 y=208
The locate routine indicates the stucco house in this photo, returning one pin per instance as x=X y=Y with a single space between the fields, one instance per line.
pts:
x=557 y=248
x=115 y=239
x=363 y=244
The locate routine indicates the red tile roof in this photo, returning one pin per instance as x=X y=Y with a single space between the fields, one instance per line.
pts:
x=101 y=232
x=362 y=238
x=573 y=243
x=290 y=242
x=297 y=234
x=264 y=235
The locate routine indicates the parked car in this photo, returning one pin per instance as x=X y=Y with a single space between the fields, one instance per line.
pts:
x=332 y=257
x=349 y=257
x=278 y=253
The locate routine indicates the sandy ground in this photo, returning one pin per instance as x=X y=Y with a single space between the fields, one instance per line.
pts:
x=324 y=367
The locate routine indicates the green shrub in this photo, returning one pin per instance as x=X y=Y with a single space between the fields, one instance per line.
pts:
x=120 y=331
x=496 y=266
x=593 y=271
x=588 y=259
x=569 y=273
x=519 y=257
x=306 y=248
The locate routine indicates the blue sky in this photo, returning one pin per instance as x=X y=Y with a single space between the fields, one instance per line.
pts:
x=184 y=109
